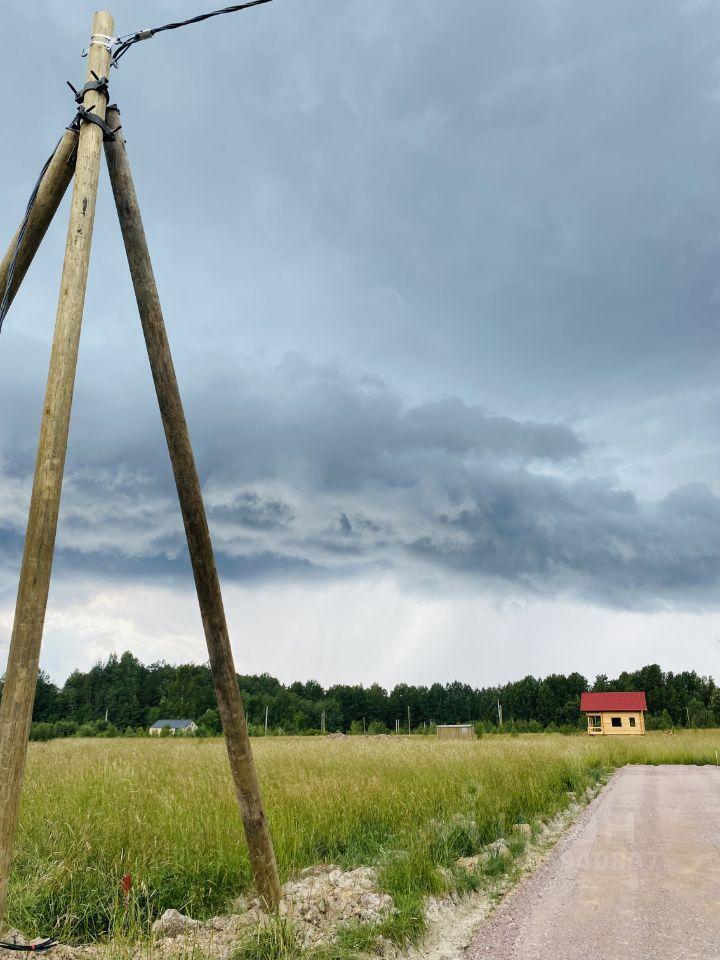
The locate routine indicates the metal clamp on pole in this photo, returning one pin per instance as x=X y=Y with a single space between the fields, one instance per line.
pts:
x=99 y=84
x=87 y=116
x=102 y=40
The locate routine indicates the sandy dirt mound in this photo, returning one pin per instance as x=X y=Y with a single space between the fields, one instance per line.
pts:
x=326 y=898
x=318 y=903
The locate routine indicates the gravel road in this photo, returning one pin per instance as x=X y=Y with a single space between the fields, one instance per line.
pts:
x=637 y=877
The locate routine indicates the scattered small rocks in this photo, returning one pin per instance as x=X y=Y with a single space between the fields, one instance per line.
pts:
x=325 y=898
x=318 y=903
x=59 y=952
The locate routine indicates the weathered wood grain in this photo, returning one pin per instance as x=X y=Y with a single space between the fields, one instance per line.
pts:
x=21 y=676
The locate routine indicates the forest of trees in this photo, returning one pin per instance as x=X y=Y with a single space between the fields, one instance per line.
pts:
x=123 y=696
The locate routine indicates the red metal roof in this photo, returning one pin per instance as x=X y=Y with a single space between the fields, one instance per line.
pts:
x=598 y=702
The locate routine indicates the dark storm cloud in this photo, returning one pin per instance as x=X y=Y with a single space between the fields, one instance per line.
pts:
x=250 y=510
x=516 y=203
x=314 y=473
x=584 y=539
x=508 y=215
x=451 y=426
x=309 y=427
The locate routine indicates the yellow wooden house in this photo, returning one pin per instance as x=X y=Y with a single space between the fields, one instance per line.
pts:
x=613 y=714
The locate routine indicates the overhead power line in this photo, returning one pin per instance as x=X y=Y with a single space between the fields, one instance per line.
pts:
x=119 y=46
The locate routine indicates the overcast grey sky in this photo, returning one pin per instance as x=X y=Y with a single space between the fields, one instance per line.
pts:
x=442 y=280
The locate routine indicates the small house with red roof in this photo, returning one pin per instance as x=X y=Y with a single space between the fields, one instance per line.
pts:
x=610 y=714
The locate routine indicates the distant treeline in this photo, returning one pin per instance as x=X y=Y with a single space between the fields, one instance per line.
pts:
x=123 y=696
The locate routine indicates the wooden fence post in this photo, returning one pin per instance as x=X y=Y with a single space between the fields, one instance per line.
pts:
x=23 y=659
x=50 y=192
x=247 y=788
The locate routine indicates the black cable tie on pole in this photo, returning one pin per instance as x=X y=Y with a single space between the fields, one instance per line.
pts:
x=99 y=84
x=84 y=115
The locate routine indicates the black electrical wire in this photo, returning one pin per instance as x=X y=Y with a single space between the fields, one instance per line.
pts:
x=130 y=39
x=5 y=304
x=38 y=947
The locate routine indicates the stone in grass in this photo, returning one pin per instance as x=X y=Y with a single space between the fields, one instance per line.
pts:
x=173 y=924
x=524 y=829
x=498 y=848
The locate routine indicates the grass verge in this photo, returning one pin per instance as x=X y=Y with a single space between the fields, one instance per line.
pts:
x=164 y=813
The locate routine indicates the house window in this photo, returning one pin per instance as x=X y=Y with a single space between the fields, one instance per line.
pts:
x=595 y=721
x=632 y=721
x=616 y=721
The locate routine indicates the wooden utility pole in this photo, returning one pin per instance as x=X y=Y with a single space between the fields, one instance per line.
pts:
x=247 y=788
x=24 y=656
x=267 y=710
x=52 y=189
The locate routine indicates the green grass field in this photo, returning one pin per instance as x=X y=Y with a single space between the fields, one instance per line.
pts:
x=164 y=812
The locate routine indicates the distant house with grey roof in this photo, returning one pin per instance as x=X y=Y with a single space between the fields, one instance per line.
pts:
x=173 y=726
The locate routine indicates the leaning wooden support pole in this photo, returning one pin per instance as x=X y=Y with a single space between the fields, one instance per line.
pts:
x=262 y=855
x=50 y=192
x=23 y=659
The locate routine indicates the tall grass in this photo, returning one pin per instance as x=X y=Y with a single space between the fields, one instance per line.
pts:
x=164 y=812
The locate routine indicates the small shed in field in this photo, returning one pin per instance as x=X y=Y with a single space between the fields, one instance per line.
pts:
x=613 y=714
x=173 y=726
x=456 y=731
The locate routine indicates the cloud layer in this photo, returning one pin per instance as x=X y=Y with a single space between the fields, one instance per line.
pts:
x=311 y=472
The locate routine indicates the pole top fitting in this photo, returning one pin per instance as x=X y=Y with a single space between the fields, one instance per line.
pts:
x=102 y=40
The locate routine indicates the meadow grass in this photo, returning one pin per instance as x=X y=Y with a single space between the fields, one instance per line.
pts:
x=164 y=812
